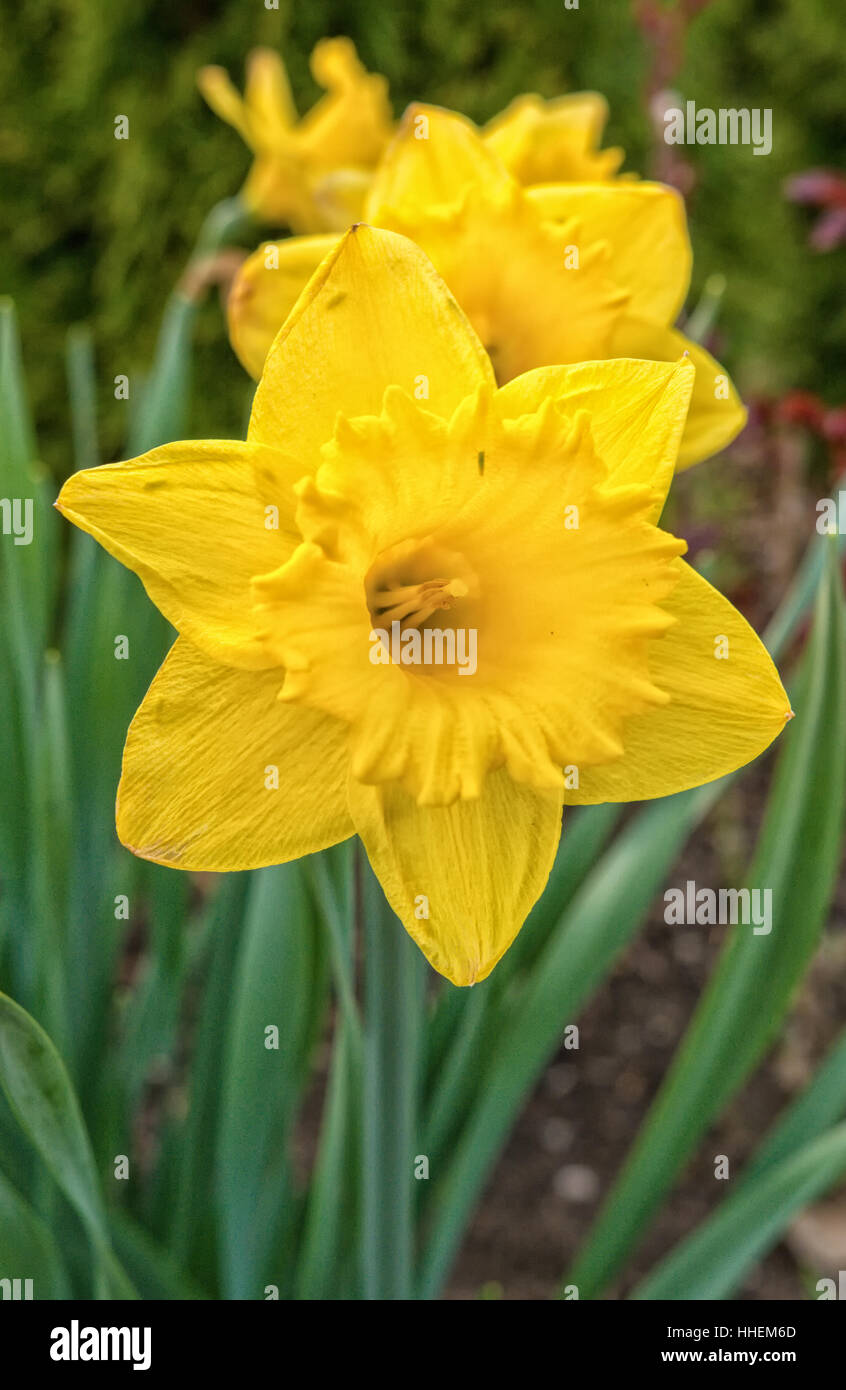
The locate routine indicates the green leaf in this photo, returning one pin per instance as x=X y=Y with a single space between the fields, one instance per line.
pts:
x=279 y=982
x=332 y=1220
x=153 y=1270
x=753 y=984
x=43 y=1101
x=27 y=571
x=163 y=410
x=41 y=1097
x=394 y=1010
x=715 y=1259
x=821 y=1104
x=27 y=1249
x=82 y=391
x=192 y=1239
x=815 y=1110
x=331 y=1226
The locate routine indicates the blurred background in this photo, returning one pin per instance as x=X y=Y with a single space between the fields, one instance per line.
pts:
x=97 y=232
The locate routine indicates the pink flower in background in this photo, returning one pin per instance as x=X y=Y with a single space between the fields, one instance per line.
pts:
x=825 y=190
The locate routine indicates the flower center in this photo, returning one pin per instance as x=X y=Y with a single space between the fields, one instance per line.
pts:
x=412 y=604
x=411 y=582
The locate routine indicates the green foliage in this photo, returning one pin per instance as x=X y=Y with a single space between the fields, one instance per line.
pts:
x=735 y=1021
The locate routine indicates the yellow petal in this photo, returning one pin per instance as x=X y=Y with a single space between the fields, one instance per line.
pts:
x=190 y=520
x=225 y=101
x=434 y=156
x=717 y=414
x=339 y=196
x=646 y=227
x=375 y=314
x=196 y=789
x=265 y=290
x=512 y=275
x=724 y=709
x=476 y=867
x=637 y=413
x=277 y=190
x=268 y=96
x=551 y=141
x=351 y=125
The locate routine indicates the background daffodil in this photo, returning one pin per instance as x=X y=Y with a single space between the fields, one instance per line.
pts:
x=562 y=272
x=554 y=141
x=407 y=485
x=310 y=173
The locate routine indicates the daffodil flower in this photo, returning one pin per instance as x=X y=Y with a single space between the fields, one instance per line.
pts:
x=387 y=479
x=310 y=174
x=564 y=272
x=554 y=141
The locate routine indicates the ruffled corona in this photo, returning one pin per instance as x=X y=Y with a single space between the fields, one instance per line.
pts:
x=554 y=141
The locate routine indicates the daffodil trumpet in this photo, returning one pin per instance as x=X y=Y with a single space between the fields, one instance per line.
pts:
x=269 y=733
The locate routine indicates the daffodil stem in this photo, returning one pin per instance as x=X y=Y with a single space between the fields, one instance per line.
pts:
x=394 y=1003
x=222 y=222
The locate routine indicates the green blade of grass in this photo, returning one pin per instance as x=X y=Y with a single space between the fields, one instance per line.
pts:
x=153 y=1270
x=332 y=1217
x=50 y=848
x=274 y=987
x=712 y=1262
x=43 y=1101
x=193 y=1228
x=331 y=1225
x=27 y=1247
x=393 y=997
x=821 y=1104
x=28 y=567
x=756 y=976
x=163 y=410
x=816 y=1110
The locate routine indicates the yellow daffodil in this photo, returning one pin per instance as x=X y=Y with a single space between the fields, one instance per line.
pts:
x=388 y=486
x=564 y=272
x=554 y=141
x=310 y=174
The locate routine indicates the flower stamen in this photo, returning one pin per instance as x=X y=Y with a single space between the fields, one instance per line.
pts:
x=412 y=604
